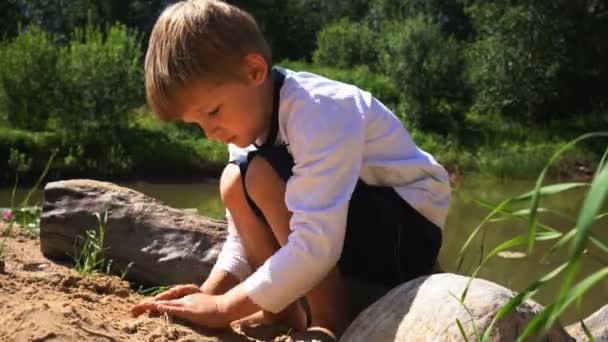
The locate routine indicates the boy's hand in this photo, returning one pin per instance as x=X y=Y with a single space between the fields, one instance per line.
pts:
x=199 y=308
x=175 y=292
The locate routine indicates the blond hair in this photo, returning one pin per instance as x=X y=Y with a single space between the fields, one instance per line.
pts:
x=197 y=40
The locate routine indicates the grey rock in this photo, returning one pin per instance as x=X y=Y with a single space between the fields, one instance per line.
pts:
x=597 y=323
x=166 y=245
x=426 y=309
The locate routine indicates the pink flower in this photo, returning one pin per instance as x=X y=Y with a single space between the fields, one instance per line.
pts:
x=7 y=215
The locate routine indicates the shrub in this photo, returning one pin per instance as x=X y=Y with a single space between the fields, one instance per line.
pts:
x=345 y=44
x=517 y=63
x=101 y=79
x=427 y=68
x=28 y=78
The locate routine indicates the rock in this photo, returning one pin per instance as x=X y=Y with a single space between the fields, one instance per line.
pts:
x=2 y=271
x=167 y=245
x=597 y=324
x=424 y=310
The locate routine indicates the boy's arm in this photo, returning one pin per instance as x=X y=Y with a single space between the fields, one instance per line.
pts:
x=231 y=266
x=219 y=282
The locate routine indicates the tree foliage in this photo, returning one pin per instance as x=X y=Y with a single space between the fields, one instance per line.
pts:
x=427 y=68
x=537 y=59
x=89 y=83
x=28 y=79
x=345 y=44
x=101 y=78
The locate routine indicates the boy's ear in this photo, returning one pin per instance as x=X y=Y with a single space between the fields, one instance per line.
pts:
x=256 y=68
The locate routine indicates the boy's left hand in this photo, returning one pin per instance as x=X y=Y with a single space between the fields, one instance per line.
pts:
x=198 y=308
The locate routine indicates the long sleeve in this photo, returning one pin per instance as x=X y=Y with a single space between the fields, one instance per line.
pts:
x=232 y=258
x=326 y=142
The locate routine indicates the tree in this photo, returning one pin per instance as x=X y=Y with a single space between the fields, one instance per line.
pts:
x=449 y=14
x=528 y=57
x=346 y=44
x=28 y=79
x=428 y=68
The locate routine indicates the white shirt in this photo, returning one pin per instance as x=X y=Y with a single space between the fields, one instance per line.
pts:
x=337 y=134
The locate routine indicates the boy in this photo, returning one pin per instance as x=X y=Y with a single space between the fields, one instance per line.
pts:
x=324 y=181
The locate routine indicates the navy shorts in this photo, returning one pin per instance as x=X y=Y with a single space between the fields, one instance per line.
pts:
x=387 y=241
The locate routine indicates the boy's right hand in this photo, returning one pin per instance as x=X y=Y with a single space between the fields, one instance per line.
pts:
x=175 y=292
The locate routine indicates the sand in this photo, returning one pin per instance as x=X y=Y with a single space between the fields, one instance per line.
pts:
x=41 y=300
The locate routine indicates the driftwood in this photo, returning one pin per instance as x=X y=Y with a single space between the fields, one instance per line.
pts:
x=166 y=245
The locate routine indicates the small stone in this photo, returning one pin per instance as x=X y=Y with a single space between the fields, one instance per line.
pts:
x=131 y=328
x=71 y=281
x=2 y=270
x=45 y=337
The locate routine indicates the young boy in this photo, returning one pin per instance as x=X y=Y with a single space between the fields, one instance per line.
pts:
x=324 y=181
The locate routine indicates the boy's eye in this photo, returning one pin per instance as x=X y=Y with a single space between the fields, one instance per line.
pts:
x=215 y=111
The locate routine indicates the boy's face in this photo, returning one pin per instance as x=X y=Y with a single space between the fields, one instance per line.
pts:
x=233 y=111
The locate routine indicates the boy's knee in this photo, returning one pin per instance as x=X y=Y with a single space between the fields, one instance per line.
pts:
x=261 y=179
x=231 y=184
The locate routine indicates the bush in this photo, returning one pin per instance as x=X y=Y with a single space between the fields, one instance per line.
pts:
x=28 y=79
x=345 y=45
x=516 y=64
x=427 y=68
x=101 y=79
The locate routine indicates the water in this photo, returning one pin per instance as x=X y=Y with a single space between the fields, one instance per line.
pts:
x=465 y=215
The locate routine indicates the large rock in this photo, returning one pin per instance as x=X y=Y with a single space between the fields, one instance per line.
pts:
x=597 y=324
x=424 y=309
x=167 y=245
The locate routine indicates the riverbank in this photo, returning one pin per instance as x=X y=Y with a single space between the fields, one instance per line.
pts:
x=155 y=152
x=151 y=150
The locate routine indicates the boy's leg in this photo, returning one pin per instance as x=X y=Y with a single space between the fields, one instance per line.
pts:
x=328 y=302
x=257 y=239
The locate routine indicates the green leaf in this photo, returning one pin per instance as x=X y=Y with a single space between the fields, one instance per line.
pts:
x=494 y=211
x=550 y=190
x=593 y=203
x=537 y=191
x=26 y=200
x=552 y=312
x=522 y=297
x=587 y=332
x=464 y=335
x=516 y=241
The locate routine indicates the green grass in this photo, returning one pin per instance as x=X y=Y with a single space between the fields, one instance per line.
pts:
x=91 y=258
x=146 y=149
x=573 y=243
x=151 y=291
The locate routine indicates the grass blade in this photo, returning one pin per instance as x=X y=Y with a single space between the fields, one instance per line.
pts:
x=26 y=200
x=593 y=203
x=536 y=193
x=464 y=335
x=522 y=297
x=587 y=332
x=552 y=312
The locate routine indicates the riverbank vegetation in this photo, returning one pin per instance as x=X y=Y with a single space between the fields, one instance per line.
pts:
x=486 y=87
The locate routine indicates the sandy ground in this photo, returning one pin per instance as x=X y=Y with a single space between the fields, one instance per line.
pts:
x=44 y=301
